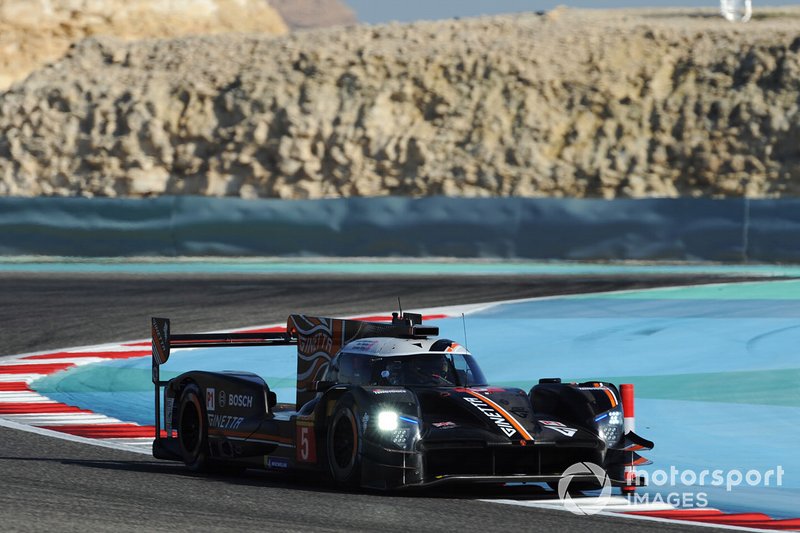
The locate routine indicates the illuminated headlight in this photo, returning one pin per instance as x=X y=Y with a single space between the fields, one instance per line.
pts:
x=387 y=421
x=610 y=427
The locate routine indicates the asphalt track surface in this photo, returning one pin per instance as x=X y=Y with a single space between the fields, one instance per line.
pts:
x=52 y=484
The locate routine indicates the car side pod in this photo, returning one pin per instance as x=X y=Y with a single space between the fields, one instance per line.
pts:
x=163 y=341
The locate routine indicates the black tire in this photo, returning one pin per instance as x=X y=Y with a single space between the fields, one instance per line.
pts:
x=344 y=444
x=193 y=430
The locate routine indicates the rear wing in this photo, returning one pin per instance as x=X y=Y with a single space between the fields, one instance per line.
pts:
x=318 y=340
x=164 y=341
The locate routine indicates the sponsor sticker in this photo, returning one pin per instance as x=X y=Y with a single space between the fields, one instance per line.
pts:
x=240 y=400
x=210 y=395
x=234 y=400
x=281 y=463
x=363 y=346
x=168 y=406
x=558 y=426
x=487 y=390
x=444 y=425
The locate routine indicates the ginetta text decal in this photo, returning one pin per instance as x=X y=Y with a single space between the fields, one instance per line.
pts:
x=493 y=415
x=320 y=341
x=224 y=421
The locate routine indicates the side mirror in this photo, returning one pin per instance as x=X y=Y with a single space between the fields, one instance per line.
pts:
x=322 y=386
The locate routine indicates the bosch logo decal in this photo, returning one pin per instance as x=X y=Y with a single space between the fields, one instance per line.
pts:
x=240 y=400
x=504 y=425
x=234 y=400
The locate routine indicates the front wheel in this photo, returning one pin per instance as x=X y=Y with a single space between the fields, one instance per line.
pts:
x=193 y=430
x=344 y=444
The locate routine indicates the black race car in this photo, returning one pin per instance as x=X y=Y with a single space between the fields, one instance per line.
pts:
x=385 y=406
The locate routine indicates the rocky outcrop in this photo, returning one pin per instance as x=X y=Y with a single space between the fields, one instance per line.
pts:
x=36 y=32
x=304 y=14
x=570 y=103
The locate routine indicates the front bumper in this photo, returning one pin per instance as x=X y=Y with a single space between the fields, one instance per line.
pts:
x=439 y=464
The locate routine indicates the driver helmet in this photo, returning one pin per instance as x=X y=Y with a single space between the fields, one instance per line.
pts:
x=435 y=366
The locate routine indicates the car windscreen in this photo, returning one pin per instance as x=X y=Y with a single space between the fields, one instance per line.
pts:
x=419 y=370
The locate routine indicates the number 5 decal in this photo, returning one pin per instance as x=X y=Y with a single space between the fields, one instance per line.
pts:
x=306 y=445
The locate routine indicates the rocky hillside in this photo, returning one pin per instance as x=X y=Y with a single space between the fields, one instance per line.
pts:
x=36 y=32
x=571 y=103
x=304 y=14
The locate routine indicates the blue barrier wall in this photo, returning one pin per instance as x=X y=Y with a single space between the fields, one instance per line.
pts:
x=733 y=230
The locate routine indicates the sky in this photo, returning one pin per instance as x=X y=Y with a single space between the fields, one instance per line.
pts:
x=377 y=11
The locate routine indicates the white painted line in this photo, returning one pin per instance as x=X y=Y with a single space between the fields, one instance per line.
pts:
x=12 y=378
x=62 y=419
x=78 y=361
x=24 y=397
x=106 y=348
x=73 y=438
x=137 y=441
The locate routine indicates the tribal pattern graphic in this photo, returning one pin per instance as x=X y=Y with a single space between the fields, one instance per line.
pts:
x=319 y=339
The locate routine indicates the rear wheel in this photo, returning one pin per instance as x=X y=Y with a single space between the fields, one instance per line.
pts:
x=344 y=444
x=193 y=430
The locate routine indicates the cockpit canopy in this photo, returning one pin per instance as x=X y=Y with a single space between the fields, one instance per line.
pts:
x=421 y=369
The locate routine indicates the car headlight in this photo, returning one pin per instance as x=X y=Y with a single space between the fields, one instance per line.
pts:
x=387 y=421
x=610 y=426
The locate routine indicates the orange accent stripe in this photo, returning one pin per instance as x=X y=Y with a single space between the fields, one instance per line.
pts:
x=504 y=413
x=611 y=397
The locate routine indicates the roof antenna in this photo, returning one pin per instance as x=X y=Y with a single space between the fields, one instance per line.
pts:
x=464 y=323
x=400 y=306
